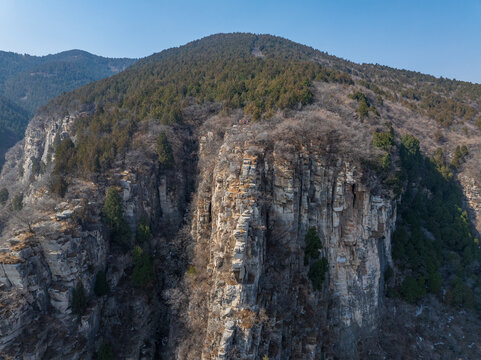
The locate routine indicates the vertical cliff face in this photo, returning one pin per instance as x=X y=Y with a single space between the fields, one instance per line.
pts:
x=254 y=201
x=250 y=221
x=45 y=251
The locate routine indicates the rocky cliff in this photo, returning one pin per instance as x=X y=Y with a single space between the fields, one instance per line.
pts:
x=46 y=251
x=250 y=222
x=228 y=272
x=254 y=201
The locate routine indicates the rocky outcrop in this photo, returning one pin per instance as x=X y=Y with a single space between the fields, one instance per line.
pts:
x=254 y=201
x=251 y=222
x=36 y=289
x=45 y=251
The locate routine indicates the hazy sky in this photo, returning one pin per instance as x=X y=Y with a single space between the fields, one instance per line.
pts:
x=436 y=37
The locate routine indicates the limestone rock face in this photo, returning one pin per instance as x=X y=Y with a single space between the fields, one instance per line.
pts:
x=45 y=252
x=253 y=202
x=40 y=136
x=251 y=223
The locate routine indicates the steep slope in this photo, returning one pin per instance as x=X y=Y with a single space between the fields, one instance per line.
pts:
x=31 y=81
x=239 y=195
x=28 y=82
x=13 y=120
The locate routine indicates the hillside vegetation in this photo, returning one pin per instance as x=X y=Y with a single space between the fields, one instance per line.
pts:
x=28 y=82
x=31 y=81
x=218 y=69
x=435 y=246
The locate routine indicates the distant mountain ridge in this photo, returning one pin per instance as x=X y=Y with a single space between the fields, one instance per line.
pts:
x=28 y=82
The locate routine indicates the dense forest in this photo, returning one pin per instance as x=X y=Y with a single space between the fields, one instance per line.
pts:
x=217 y=69
x=435 y=247
x=13 y=120
x=28 y=82
x=32 y=81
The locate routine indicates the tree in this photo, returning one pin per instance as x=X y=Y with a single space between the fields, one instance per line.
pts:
x=143 y=233
x=313 y=245
x=363 y=109
x=58 y=185
x=17 y=202
x=114 y=218
x=164 y=151
x=3 y=196
x=317 y=273
x=411 y=144
x=113 y=208
x=64 y=156
x=101 y=286
x=79 y=299
x=386 y=162
x=143 y=270
x=412 y=290
x=105 y=352
x=434 y=282
x=383 y=140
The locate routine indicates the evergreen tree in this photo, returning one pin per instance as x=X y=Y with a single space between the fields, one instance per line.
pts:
x=3 y=196
x=101 y=286
x=164 y=151
x=143 y=272
x=114 y=218
x=105 y=352
x=79 y=299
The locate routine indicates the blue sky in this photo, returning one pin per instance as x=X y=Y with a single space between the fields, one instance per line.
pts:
x=441 y=37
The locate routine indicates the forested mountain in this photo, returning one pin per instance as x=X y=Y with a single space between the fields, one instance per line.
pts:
x=28 y=82
x=245 y=197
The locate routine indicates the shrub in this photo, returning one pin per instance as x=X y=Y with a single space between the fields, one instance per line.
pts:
x=79 y=299
x=101 y=286
x=3 y=196
x=164 y=151
x=318 y=268
x=191 y=270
